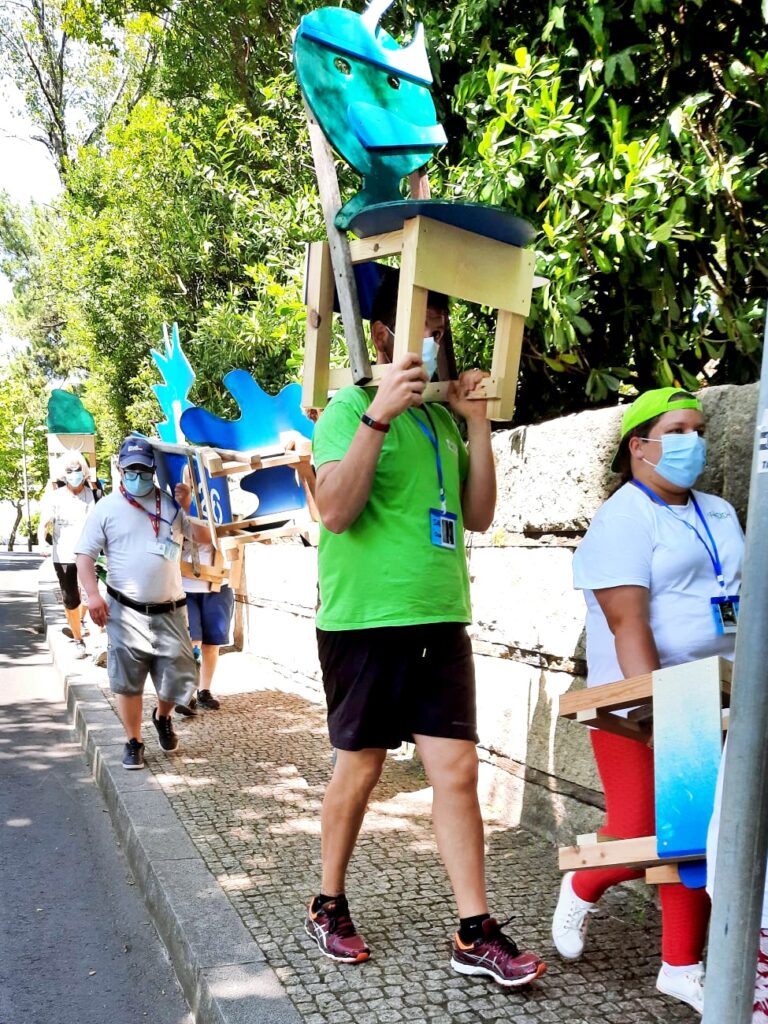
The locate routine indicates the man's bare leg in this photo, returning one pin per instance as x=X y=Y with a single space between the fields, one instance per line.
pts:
x=451 y=766
x=355 y=775
x=129 y=709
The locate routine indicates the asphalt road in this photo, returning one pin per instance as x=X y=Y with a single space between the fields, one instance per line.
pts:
x=76 y=943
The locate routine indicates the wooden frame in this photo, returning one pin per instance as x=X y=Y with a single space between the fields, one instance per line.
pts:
x=596 y=706
x=228 y=539
x=434 y=256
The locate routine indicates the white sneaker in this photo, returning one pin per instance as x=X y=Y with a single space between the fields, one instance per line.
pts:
x=570 y=920
x=687 y=986
x=80 y=651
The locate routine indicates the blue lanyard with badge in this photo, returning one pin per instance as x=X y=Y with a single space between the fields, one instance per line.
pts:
x=442 y=523
x=168 y=548
x=725 y=606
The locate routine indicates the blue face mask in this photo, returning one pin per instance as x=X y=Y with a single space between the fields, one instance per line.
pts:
x=135 y=485
x=75 y=477
x=429 y=350
x=683 y=458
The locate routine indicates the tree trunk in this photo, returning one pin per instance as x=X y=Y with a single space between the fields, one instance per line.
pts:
x=14 y=528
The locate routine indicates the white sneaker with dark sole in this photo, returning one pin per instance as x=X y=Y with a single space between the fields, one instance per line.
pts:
x=687 y=986
x=570 y=920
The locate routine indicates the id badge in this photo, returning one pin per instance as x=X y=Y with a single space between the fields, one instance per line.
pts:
x=442 y=529
x=726 y=613
x=172 y=551
x=156 y=547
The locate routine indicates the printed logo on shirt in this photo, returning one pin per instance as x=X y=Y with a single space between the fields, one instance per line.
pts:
x=719 y=515
x=452 y=446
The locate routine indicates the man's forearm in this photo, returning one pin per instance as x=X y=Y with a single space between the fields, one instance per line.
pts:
x=86 y=571
x=478 y=501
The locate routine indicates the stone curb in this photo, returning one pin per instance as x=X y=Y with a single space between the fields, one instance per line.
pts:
x=222 y=971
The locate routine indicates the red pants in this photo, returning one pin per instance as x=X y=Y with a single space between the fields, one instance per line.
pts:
x=626 y=771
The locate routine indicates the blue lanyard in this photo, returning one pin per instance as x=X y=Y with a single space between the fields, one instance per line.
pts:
x=433 y=440
x=714 y=557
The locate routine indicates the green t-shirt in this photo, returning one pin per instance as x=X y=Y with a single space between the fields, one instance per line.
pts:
x=383 y=570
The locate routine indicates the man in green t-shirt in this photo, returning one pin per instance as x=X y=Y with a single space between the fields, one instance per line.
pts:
x=396 y=487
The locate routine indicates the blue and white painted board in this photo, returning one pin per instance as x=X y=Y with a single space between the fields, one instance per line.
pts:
x=687 y=743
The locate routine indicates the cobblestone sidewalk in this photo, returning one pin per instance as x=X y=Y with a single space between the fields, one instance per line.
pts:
x=247 y=783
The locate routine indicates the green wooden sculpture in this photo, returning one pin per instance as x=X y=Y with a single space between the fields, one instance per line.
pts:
x=68 y=415
x=372 y=99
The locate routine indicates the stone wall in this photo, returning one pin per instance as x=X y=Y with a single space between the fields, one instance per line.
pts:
x=528 y=629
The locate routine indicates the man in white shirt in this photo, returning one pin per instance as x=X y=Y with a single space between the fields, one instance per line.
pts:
x=64 y=511
x=141 y=530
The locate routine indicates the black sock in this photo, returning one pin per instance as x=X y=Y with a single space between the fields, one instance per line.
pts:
x=471 y=928
x=321 y=899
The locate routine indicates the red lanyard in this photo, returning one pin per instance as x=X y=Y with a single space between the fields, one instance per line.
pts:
x=154 y=519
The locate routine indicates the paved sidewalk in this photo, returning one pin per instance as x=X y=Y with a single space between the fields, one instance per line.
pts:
x=247 y=783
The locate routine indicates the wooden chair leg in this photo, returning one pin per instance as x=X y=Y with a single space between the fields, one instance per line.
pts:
x=317 y=338
x=506 y=363
x=411 y=299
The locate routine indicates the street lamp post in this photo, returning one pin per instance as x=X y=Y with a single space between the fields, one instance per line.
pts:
x=25 y=479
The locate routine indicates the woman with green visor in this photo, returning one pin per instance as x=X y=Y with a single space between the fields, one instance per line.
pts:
x=660 y=568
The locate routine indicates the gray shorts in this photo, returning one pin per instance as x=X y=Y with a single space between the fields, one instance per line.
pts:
x=157 y=645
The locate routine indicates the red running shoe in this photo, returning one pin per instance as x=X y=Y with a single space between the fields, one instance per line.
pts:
x=332 y=929
x=496 y=955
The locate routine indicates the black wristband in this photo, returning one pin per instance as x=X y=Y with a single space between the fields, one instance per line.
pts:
x=374 y=424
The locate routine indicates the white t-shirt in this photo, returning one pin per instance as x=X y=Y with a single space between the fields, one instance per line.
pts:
x=67 y=512
x=634 y=541
x=191 y=585
x=126 y=535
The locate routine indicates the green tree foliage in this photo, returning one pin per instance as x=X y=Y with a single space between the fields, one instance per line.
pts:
x=631 y=133
x=634 y=135
x=192 y=218
x=71 y=88
x=22 y=403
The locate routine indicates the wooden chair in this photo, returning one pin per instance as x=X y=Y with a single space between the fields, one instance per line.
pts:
x=266 y=449
x=686 y=709
x=369 y=99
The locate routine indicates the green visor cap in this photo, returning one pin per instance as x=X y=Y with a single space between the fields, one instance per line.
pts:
x=648 y=406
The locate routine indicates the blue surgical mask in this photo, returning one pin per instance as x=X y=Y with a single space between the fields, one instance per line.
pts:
x=136 y=485
x=429 y=350
x=683 y=458
x=75 y=477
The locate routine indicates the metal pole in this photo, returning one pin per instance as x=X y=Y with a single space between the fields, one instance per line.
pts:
x=24 y=477
x=743 y=841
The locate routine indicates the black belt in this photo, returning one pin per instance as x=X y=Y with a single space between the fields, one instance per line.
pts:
x=147 y=609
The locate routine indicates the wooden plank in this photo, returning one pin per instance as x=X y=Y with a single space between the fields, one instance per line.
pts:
x=664 y=874
x=341 y=377
x=317 y=333
x=505 y=365
x=208 y=573
x=376 y=247
x=640 y=852
x=603 y=855
x=411 y=297
x=625 y=693
x=615 y=724
x=470 y=267
x=346 y=286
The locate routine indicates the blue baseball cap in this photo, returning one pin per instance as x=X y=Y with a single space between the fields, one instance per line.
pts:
x=136 y=451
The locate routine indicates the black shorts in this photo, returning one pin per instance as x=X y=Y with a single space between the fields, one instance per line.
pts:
x=70 y=591
x=384 y=686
